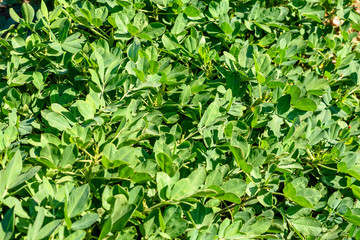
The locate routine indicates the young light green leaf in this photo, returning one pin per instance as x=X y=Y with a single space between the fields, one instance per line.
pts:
x=34 y=229
x=10 y=135
x=180 y=24
x=38 y=80
x=69 y=155
x=28 y=12
x=121 y=214
x=14 y=15
x=44 y=9
x=305 y=104
x=235 y=186
x=155 y=29
x=56 y=120
x=197 y=178
x=55 y=13
x=78 y=200
x=192 y=11
x=180 y=189
x=85 y=222
x=267 y=40
x=13 y=169
x=24 y=176
x=308 y=226
x=80 y=234
x=164 y=162
x=49 y=228
x=185 y=95
x=85 y=109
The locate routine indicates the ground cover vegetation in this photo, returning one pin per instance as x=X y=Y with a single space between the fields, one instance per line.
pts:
x=180 y=119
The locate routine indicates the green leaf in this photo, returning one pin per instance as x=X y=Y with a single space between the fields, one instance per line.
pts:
x=180 y=189
x=121 y=214
x=7 y=225
x=85 y=109
x=49 y=228
x=14 y=15
x=20 y=179
x=180 y=24
x=283 y=104
x=78 y=200
x=164 y=162
x=197 y=179
x=254 y=12
x=33 y=232
x=214 y=178
x=73 y=43
x=297 y=194
x=10 y=135
x=230 y=197
x=239 y=157
x=85 y=222
x=155 y=29
x=170 y=42
x=64 y=30
x=201 y=215
x=136 y=195
x=38 y=80
x=69 y=155
x=128 y=233
x=235 y=186
x=174 y=224
x=13 y=169
x=55 y=13
x=267 y=40
x=133 y=50
x=356 y=191
x=192 y=11
x=185 y=95
x=19 y=44
x=76 y=235
x=352 y=218
x=210 y=115
x=314 y=12
x=56 y=120
x=28 y=12
x=308 y=226
x=246 y=58
x=305 y=104
x=44 y=9
x=163 y=182
x=294 y=92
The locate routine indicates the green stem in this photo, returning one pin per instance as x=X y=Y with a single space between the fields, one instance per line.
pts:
x=103 y=32
x=276 y=193
x=289 y=223
x=99 y=34
x=158 y=206
x=260 y=93
x=330 y=168
x=189 y=136
x=310 y=155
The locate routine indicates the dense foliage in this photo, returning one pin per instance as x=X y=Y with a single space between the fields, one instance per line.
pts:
x=178 y=119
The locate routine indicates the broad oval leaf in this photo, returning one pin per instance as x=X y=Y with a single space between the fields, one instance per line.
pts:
x=78 y=200
x=305 y=104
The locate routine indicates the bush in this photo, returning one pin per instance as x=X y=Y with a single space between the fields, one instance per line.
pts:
x=179 y=119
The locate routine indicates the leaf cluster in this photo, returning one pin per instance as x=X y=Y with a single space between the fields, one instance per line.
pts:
x=179 y=119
